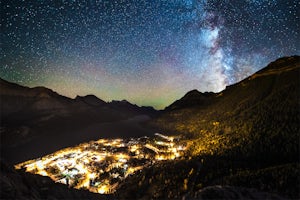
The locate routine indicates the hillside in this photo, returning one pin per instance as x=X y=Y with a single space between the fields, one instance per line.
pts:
x=255 y=117
x=245 y=136
x=241 y=143
x=37 y=121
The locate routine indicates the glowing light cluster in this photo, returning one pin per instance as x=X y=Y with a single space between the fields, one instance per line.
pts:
x=100 y=165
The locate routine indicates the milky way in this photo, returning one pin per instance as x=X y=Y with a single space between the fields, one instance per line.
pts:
x=148 y=52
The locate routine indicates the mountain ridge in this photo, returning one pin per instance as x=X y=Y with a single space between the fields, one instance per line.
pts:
x=245 y=136
x=265 y=99
x=196 y=98
x=33 y=116
x=192 y=98
x=10 y=88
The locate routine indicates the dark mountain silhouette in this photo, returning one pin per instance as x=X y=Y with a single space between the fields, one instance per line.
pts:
x=247 y=135
x=16 y=98
x=91 y=100
x=258 y=115
x=125 y=105
x=278 y=75
x=192 y=98
x=37 y=121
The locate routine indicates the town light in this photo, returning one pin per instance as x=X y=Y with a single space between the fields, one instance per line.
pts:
x=97 y=164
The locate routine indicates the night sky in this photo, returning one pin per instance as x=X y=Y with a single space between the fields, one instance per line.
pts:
x=150 y=52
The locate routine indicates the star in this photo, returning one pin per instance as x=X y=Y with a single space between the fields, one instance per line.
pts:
x=148 y=52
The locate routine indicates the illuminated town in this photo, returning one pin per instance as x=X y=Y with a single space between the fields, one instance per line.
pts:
x=100 y=165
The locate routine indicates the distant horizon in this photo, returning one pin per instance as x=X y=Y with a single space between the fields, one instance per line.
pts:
x=132 y=102
x=148 y=52
x=84 y=95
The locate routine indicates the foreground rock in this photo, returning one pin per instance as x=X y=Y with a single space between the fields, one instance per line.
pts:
x=21 y=185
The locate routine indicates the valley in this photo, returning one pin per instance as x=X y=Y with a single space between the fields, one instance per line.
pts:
x=241 y=142
x=100 y=165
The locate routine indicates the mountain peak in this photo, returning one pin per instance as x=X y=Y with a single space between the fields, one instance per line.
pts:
x=192 y=98
x=91 y=100
x=121 y=101
x=281 y=66
x=43 y=91
x=8 y=88
x=195 y=93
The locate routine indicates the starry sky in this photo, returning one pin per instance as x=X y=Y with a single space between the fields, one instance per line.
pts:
x=150 y=52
